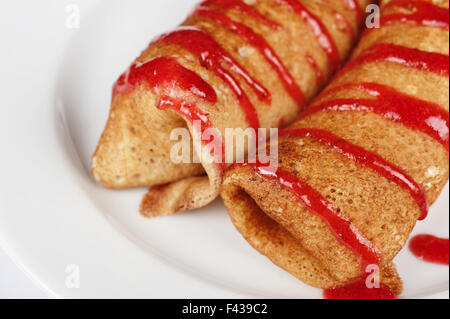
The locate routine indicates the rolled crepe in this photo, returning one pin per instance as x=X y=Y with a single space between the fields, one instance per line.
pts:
x=232 y=64
x=362 y=163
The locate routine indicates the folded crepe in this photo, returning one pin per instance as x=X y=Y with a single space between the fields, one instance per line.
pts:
x=232 y=64
x=361 y=164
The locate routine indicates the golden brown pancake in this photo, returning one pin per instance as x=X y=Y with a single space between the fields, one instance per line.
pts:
x=371 y=152
x=281 y=53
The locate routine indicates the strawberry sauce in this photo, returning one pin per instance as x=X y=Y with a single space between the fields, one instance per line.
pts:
x=415 y=113
x=343 y=229
x=164 y=73
x=430 y=248
x=212 y=56
x=263 y=47
x=421 y=13
x=412 y=58
x=369 y=159
x=420 y=115
x=359 y=290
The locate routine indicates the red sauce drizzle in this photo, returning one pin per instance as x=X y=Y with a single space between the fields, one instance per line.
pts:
x=164 y=73
x=343 y=229
x=422 y=13
x=320 y=31
x=430 y=248
x=427 y=61
x=187 y=109
x=359 y=290
x=369 y=159
x=191 y=112
x=354 y=5
x=242 y=7
x=418 y=114
x=313 y=64
x=261 y=44
x=213 y=57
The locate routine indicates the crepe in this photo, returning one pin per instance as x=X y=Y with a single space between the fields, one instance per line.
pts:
x=232 y=64
x=362 y=164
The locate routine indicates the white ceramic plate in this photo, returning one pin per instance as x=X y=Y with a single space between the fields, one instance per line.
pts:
x=55 y=221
